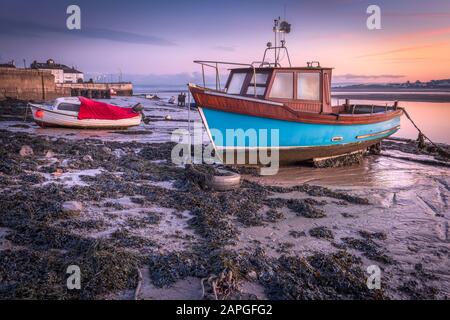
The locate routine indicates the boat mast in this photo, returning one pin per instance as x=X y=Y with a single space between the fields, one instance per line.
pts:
x=281 y=27
x=275 y=31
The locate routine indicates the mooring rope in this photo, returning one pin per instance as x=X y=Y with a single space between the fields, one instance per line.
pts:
x=444 y=152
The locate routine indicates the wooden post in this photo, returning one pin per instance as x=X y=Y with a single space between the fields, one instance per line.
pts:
x=395 y=105
x=43 y=87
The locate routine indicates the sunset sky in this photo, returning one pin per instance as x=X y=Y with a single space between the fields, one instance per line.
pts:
x=163 y=37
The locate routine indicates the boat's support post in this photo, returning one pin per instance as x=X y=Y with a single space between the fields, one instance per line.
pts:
x=189 y=120
x=340 y=160
x=189 y=114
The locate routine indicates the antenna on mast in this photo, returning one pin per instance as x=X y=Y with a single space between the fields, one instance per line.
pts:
x=282 y=27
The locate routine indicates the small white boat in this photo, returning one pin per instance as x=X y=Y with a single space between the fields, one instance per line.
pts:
x=64 y=112
x=152 y=97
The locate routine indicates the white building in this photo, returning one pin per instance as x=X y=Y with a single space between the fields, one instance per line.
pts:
x=61 y=72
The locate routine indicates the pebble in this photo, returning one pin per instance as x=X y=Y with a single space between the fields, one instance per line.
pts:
x=118 y=153
x=88 y=158
x=49 y=154
x=64 y=163
x=106 y=150
x=72 y=207
x=58 y=172
x=26 y=151
x=252 y=275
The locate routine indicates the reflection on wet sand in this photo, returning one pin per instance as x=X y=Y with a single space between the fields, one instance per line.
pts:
x=374 y=172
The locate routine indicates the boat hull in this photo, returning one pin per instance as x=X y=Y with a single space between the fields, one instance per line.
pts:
x=297 y=141
x=51 y=118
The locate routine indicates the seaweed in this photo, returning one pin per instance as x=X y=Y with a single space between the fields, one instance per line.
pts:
x=369 y=248
x=320 y=276
x=321 y=232
x=45 y=242
x=305 y=209
x=41 y=274
x=297 y=234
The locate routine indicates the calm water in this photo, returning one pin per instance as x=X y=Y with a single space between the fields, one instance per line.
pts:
x=432 y=118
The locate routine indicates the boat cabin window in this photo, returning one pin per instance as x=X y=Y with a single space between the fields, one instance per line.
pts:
x=282 y=86
x=69 y=107
x=260 y=79
x=236 y=82
x=259 y=90
x=308 y=86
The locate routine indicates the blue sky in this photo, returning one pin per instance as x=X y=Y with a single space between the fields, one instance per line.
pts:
x=163 y=37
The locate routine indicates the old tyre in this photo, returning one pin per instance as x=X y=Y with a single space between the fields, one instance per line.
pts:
x=225 y=181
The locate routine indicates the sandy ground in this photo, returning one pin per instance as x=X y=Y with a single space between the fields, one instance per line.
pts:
x=305 y=233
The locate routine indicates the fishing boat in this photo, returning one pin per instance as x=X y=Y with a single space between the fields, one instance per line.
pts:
x=295 y=101
x=83 y=113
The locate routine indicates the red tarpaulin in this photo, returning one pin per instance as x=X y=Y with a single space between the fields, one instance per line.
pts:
x=90 y=109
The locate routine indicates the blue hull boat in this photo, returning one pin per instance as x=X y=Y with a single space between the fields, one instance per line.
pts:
x=264 y=106
x=293 y=134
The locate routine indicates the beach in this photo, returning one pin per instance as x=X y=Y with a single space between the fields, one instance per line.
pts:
x=140 y=227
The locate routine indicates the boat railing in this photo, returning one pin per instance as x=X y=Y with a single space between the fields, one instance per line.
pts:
x=276 y=64
x=368 y=107
x=262 y=64
x=215 y=65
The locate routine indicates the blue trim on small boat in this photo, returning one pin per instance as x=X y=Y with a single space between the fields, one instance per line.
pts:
x=294 y=134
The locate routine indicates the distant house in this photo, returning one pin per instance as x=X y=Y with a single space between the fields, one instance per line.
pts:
x=62 y=73
x=8 y=65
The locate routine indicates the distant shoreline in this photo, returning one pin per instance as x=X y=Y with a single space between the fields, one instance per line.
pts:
x=388 y=89
x=422 y=95
x=387 y=94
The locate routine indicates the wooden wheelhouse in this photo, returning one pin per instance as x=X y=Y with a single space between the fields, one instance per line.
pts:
x=306 y=89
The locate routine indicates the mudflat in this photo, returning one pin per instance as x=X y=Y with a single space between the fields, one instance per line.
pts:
x=141 y=227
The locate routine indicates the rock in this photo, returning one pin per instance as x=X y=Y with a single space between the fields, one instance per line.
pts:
x=58 y=172
x=252 y=275
x=50 y=154
x=26 y=151
x=118 y=153
x=88 y=158
x=64 y=163
x=106 y=150
x=72 y=207
x=168 y=117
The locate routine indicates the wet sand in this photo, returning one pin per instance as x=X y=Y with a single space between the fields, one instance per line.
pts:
x=306 y=233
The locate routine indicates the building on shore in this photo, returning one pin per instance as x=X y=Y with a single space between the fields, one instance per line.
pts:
x=29 y=84
x=9 y=64
x=49 y=80
x=61 y=72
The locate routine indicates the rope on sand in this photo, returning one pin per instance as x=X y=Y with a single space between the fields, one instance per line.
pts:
x=422 y=135
x=139 y=285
